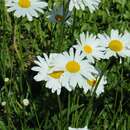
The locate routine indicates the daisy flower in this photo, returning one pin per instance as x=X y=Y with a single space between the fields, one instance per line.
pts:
x=52 y=78
x=27 y=8
x=116 y=44
x=75 y=68
x=91 y=84
x=25 y=102
x=81 y=4
x=57 y=15
x=85 y=128
x=6 y=79
x=90 y=46
x=3 y=103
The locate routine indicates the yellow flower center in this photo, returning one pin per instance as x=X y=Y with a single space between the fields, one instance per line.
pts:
x=91 y=82
x=73 y=66
x=24 y=3
x=56 y=74
x=59 y=18
x=88 y=49
x=116 y=45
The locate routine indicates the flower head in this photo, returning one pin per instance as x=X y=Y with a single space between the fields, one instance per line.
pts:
x=76 y=69
x=45 y=72
x=58 y=15
x=6 y=79
x=91 y=47
x=116 y=44
x=27 y=8
x=25 y=102
x=3 y=103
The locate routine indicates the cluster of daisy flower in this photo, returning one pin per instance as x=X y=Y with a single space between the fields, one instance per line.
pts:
x=75 y=68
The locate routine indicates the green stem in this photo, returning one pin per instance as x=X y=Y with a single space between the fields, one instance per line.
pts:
x=121 y=80
x=60 y=109
x=73 y=26
x=102 y=74
x=68 y=114
x=60 y=46
x=59 y=103
x=74 y=19
x=34 y=108
x=90 y=104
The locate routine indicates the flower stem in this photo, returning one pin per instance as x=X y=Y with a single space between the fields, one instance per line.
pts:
x=60 y=109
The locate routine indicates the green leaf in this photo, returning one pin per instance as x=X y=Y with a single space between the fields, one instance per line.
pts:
x=2 y=126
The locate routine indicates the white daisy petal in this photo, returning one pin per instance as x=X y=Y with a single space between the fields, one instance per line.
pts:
x=81 y=4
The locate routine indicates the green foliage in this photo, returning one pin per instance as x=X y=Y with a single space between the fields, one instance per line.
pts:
x=2 y=125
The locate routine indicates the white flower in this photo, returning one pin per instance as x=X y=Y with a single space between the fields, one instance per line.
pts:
x=81 y=4
x=116 y=44
x=91 y=47
x=6 y=79
x=75 y=68
x=42 y=68
x=3 y=103
x=58 y=15
x=25 y=102
x=85 y=128
x=91 y=84
x=27 y=8
x=45 y=73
